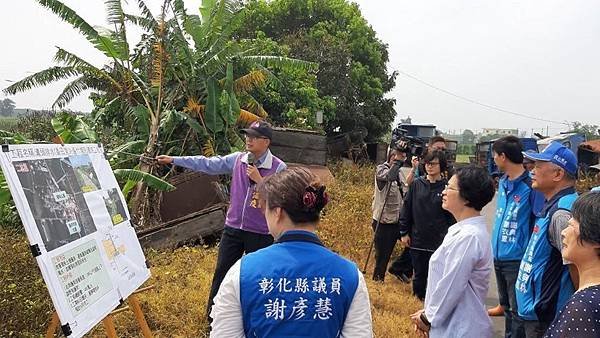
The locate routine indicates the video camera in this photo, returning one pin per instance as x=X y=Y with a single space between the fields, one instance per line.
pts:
x=411 y=145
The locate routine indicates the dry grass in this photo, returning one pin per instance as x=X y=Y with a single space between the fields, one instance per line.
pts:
x=176 y=306
x=586 y=183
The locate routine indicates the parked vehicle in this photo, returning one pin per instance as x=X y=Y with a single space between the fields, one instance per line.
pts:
x=569 y=140
x=484 y=156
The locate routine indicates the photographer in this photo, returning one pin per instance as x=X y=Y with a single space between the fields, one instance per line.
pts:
x=418 y=167
x=423 y=222
x=387 y=200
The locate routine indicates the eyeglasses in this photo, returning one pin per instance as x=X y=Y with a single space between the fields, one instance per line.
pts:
x=432 y=163
x=254 y=138
x=448 y=187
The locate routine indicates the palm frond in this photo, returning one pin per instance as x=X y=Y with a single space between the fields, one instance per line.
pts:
x=114 y=12
x=194 y=108
x=102 y=42
x=142 y=118
x=41 y=78
x=70 y=16
x=248 y=82
x=194 y=125
x=206 y=9
x=71 y=90
x=84 y=67
x=254 y=106
x=116 y=17
x=140 y=176
x=73 y=129
x=246 y=118
x=113 y=44
x=147 y=15
x=179 y=40
x=127 y=147
x=140 y=21
x=208 y=149
x=179 y=10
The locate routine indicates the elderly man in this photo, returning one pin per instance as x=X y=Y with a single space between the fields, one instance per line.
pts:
x=245 y=227
x=545 y=282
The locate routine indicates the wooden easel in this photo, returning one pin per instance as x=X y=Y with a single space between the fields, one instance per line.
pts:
x=109 y=326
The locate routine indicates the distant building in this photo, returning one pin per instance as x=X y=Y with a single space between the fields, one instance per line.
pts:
x=499 y=131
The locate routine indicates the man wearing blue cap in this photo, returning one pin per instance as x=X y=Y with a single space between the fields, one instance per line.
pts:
x=545 y=282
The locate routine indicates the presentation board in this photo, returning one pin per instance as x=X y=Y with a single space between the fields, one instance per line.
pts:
x=79 y=228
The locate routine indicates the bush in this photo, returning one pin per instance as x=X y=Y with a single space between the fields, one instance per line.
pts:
x=36 y=126
x=9 y=218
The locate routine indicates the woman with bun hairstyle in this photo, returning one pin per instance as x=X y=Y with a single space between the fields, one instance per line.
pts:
x=296 y=287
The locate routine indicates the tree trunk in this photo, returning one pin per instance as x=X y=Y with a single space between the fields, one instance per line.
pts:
x=145 y=165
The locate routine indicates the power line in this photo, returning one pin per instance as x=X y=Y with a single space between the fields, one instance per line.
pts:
x=479 y=103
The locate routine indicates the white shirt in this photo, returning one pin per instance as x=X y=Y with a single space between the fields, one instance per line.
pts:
x=459 y=274
x=227 y=310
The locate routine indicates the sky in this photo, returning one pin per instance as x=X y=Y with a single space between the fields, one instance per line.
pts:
x=462 y=64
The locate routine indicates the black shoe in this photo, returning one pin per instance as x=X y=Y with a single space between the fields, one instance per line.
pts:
x=403 y=277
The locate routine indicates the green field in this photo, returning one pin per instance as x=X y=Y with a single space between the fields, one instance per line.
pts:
x=8 y=123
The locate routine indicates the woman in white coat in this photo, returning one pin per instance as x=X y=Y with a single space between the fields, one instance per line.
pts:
x=459 y=270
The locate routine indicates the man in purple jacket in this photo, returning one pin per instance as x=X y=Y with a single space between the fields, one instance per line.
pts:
x=245 y=226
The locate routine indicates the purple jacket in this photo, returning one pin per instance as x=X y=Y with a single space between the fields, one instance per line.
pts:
x=244 y=212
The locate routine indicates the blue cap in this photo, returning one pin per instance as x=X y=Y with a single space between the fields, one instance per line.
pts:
x=558 y=154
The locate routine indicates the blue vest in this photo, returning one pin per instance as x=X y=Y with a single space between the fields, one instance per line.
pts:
x=512 y=225
x=296 y=288
x=544 y=285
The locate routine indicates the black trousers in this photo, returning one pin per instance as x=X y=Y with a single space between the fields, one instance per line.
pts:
x=234 y=243
x=420 y=261
x=402 y=264
x=386 y=236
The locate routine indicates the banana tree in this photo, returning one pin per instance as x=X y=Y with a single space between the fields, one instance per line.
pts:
x=182 y=70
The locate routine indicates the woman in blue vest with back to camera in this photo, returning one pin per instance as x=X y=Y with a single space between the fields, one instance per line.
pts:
x=296 y=287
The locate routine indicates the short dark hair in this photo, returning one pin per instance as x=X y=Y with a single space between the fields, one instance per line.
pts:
x=297 y=191
x=436 y=139
x=440 y=155
x=586 y=212
x=475 y=186
x=511 y=146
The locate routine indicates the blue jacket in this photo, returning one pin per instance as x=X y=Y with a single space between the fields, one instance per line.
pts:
x=307 y=293
x=514 y=217
x=544 y=285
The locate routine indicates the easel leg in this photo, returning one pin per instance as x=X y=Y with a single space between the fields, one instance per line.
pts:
x=109 y=326
x=53 y=325
x=139 y=315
